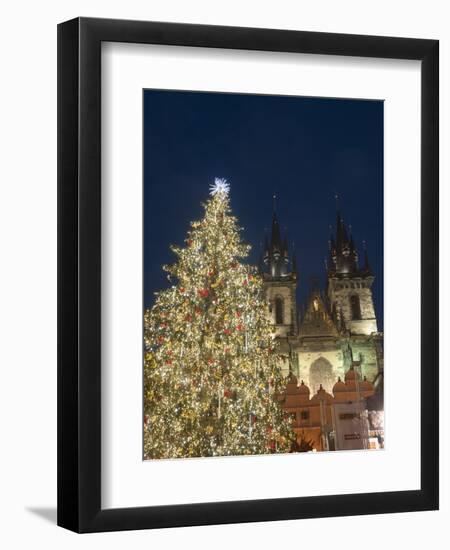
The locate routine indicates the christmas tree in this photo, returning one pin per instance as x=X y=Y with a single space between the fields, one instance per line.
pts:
x=211 y=378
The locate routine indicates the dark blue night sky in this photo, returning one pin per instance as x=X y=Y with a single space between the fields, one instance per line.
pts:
x=305 y=150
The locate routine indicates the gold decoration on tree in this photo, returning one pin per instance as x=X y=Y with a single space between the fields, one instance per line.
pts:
x=212 y=380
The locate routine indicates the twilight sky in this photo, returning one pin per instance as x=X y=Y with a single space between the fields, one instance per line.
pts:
x=305 y=150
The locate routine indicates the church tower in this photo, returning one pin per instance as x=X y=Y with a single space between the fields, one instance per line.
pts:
x=280 y=280
x=349 y=286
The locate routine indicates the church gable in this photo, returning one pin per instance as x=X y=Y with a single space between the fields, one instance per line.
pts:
x=317 y=321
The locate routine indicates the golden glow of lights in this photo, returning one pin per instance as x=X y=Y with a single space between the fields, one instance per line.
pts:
x=212 y=379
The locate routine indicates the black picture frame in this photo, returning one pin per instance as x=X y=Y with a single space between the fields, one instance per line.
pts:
x=79 y=274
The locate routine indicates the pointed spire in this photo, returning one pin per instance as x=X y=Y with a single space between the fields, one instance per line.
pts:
x=343 y=254
x=339 y=223
x=344 y=235
x=276 y=256
x=276 y=235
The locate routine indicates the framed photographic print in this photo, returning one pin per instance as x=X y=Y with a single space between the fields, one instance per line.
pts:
x=248 y=275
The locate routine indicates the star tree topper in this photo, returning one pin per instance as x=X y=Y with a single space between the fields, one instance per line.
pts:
x=220 y=185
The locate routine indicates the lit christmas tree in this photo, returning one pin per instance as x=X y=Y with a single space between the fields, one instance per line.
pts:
x=211 y=376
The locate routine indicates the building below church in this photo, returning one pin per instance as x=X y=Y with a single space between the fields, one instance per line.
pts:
x=332 y=346
x=348 y=418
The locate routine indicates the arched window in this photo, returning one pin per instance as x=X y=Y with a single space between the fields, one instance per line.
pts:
x=355 y=307
x=321 y=372
x=279 y=313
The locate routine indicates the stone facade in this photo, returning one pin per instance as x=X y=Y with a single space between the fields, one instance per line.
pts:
x=350 y=297
x=282 y=306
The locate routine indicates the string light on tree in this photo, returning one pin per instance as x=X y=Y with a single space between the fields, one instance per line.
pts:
x=212 y=380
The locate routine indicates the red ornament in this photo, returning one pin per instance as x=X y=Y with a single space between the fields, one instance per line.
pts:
x=160 y=340
x=245 y=282
x=181 y=290
x=238 y=313
x=239 y=327
x=227 y=393
x=169 y=362
x=203 y=293
x=188 y=318
x=198 y=310
x=189 y=243
x=210 y=361
x=227 y=331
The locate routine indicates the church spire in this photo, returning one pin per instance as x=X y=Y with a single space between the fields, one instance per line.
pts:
x=343 y=253
x=349 y=285
x=276 y=250
x=275 y=242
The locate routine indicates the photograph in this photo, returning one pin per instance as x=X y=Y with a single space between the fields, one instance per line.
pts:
x=212 y=214
x=262 y=274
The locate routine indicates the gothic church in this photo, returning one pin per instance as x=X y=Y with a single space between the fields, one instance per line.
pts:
x=337 y=330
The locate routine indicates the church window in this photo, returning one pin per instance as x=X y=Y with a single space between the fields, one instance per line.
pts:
x=355 y=307
x=279 y=313
x=321 y=372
